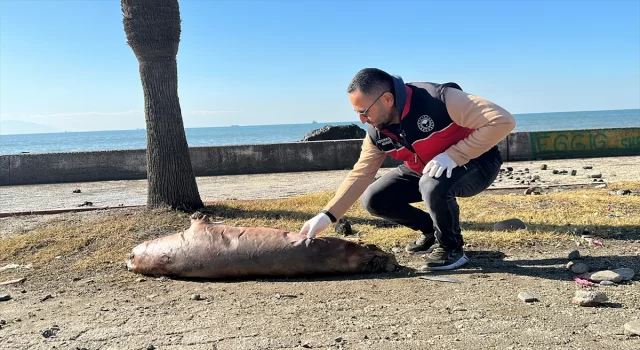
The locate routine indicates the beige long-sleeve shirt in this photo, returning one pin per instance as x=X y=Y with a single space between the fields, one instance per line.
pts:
x=491 y=123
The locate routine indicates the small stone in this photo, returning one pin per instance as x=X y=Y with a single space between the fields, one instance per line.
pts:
x=396 y=250
x=623 y=192
x=574 y=255
x=76 y=191
x=626 y=273
x=587 y=167
x=151 y=347
x=600 y=186
x=509 y=225
x=517 y=179
x=338 y=340
x=526 y=297
x=140 y=279
x=526 y=170
x=588 y=298
x=574 y=172
x=607 y=283
x=543 y=167
x=343 y=227
x=595 y=176
x=509 y=168
x=632 y=328
x=600 y=180
x=533 y=190
x=555 y=171
x=195 y=297
x=579 y=268
x=536 y=177
x=563 y=172
x=606 y=275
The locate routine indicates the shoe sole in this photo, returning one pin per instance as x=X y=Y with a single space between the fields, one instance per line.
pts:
x=463 y=260
x=420 y=252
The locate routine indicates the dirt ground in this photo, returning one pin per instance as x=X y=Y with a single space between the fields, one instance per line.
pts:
x=110 y=308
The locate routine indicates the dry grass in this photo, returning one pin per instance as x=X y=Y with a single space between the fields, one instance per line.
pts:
x=107 y=239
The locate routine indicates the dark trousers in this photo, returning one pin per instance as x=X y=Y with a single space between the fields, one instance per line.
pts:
x=390 y=196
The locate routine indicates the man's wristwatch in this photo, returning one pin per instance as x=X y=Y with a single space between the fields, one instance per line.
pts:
x=331 y=217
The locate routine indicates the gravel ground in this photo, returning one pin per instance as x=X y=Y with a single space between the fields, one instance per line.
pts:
x=110 y=308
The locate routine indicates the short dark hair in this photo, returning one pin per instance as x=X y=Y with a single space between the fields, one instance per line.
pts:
x=371 y=80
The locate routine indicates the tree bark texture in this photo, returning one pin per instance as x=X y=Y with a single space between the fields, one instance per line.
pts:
x=152 y=28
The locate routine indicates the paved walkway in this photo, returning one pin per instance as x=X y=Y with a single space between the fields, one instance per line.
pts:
x=265 y=186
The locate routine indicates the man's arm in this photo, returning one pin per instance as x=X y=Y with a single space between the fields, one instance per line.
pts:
x=491 y=122
x=358 y=179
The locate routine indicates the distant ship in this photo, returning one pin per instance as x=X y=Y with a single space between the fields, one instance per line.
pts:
x=314 y=122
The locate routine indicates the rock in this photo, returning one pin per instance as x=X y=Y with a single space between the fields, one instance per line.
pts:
x=578 y=268
x=588 y=298
x=151 y=347
x=526 y=297
x=396 y=250
x=574 y=172
x=632 y=328
x=5 y=297
x=623 y=192
x=536 y=177
x=606 y=275
x=526 y=170
x=563 y=172
x=587 y=167
x=509 y=168
x=340 y=132
x=626 y=273
x=543 y=167
x=574 y=255
x=195 y=297
x=533 y=190
x=595 y=176
x=555 y=171
x=600 y=180
x=343 y=227
x=509 y=225
x=607 y=283
x=76 y=191
x=600 y=186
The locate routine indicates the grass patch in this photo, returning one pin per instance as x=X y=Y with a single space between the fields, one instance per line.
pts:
x=108 y=238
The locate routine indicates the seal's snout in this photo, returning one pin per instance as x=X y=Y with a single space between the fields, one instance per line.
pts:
x=130 y=263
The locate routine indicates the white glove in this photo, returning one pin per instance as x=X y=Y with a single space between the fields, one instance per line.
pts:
x=315 y=225
x=439 y=164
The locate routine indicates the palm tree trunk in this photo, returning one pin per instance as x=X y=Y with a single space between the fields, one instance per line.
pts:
x=152 y=28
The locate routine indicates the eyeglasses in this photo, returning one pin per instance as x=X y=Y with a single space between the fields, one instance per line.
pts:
x=364 y=113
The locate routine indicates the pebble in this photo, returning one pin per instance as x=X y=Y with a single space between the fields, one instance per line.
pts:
x=626 y=273
x=606 y=275
x=574 y=172
x=527 y=297
x=509 y=168
x=533 y=190
x=343 y=227
x=509 y=225
x=587 y=167
x=607 y=283
x=5 y=297
x=578 y=267
x=595 y=176
x=195 y=297
x=396 y=250
x=574 y=255
x=588 y=298
x=623 y=192
x=555 y=171
x=632 y=328
x=543 y=167
x=151 y=347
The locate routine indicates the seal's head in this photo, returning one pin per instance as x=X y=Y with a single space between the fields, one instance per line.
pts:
x=148 y=258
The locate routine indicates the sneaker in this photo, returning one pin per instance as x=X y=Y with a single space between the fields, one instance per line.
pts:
x=424 y=244
x=445 y=259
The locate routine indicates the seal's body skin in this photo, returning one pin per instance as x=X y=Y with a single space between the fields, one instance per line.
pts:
x=207 y=250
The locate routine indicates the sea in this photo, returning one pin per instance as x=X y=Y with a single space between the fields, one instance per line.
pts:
x=263 y=134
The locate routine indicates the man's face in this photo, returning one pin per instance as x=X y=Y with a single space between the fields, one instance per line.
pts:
x=375 y=109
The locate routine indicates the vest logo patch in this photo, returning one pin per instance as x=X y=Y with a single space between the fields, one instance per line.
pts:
x=385 y=141
x=425 y=123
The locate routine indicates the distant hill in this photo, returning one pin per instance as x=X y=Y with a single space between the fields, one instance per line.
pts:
x=12 y=127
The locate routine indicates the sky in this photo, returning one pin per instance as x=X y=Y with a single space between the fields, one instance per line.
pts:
x=66 y=64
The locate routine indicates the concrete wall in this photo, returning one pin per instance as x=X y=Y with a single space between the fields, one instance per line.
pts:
x=292 y=157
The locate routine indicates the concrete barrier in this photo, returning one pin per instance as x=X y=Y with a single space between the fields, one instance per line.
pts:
x=39 y=168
